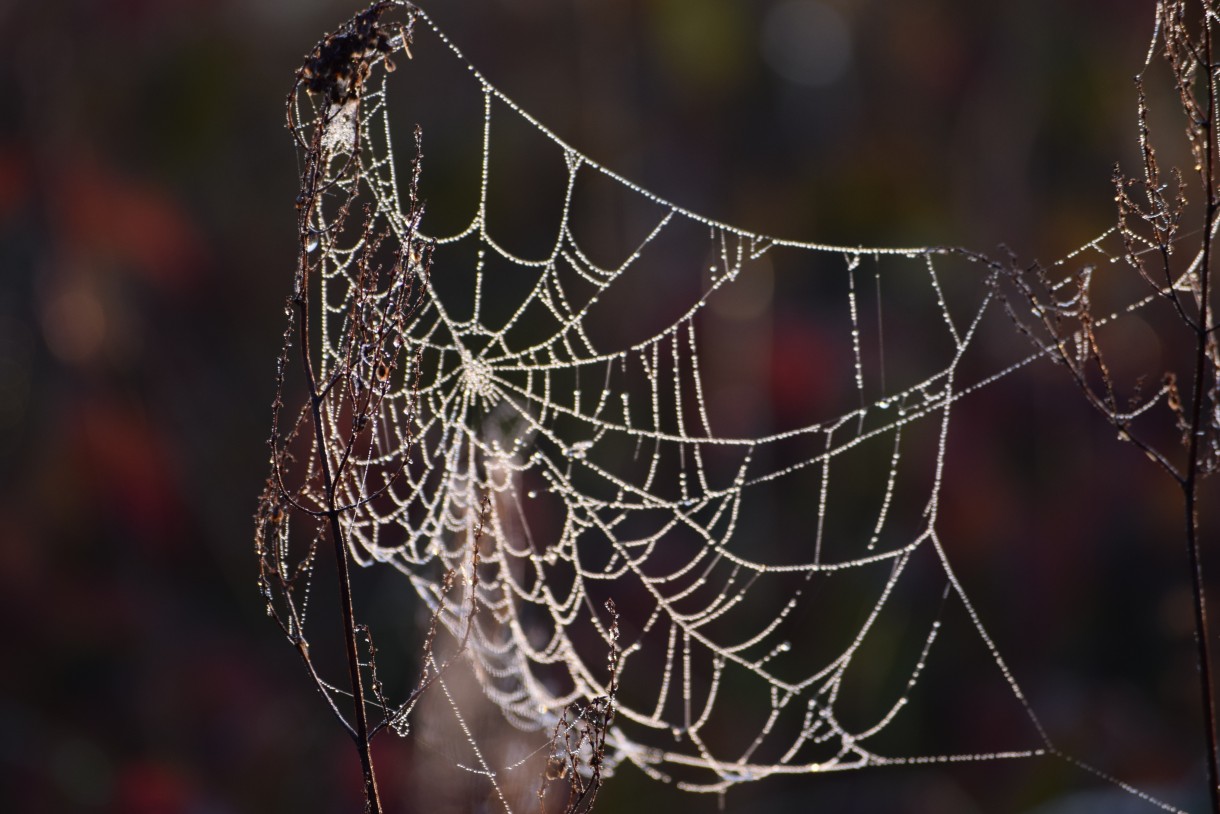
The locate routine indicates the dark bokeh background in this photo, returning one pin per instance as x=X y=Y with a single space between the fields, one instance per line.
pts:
x=146 y=242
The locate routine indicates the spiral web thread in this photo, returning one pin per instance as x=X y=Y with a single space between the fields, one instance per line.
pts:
x=602 y=475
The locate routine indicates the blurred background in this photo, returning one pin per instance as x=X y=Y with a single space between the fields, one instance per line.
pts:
x=146 y=245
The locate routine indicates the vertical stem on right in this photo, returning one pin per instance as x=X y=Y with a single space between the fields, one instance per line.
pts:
x=1190 y=483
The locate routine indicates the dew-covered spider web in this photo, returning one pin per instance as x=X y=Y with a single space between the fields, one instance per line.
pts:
x=592 y=398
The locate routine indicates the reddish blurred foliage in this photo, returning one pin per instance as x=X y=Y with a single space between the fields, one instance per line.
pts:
x=150 y=787
x=16 y=180
x=807 y=372
x=105 y=214
x=128 y=462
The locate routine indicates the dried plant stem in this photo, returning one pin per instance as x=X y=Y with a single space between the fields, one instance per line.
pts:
x=1190 y=489
x=1190 y=492
x=1190 y=480
x=1063 y=326
x=338 y=540
x=373 y=800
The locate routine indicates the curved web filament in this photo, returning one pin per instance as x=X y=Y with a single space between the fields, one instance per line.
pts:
x=570 y=402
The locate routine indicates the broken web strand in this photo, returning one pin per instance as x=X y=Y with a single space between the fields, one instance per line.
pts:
x=556 y=429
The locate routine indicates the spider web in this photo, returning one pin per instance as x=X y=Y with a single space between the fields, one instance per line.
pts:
x=564 y=399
